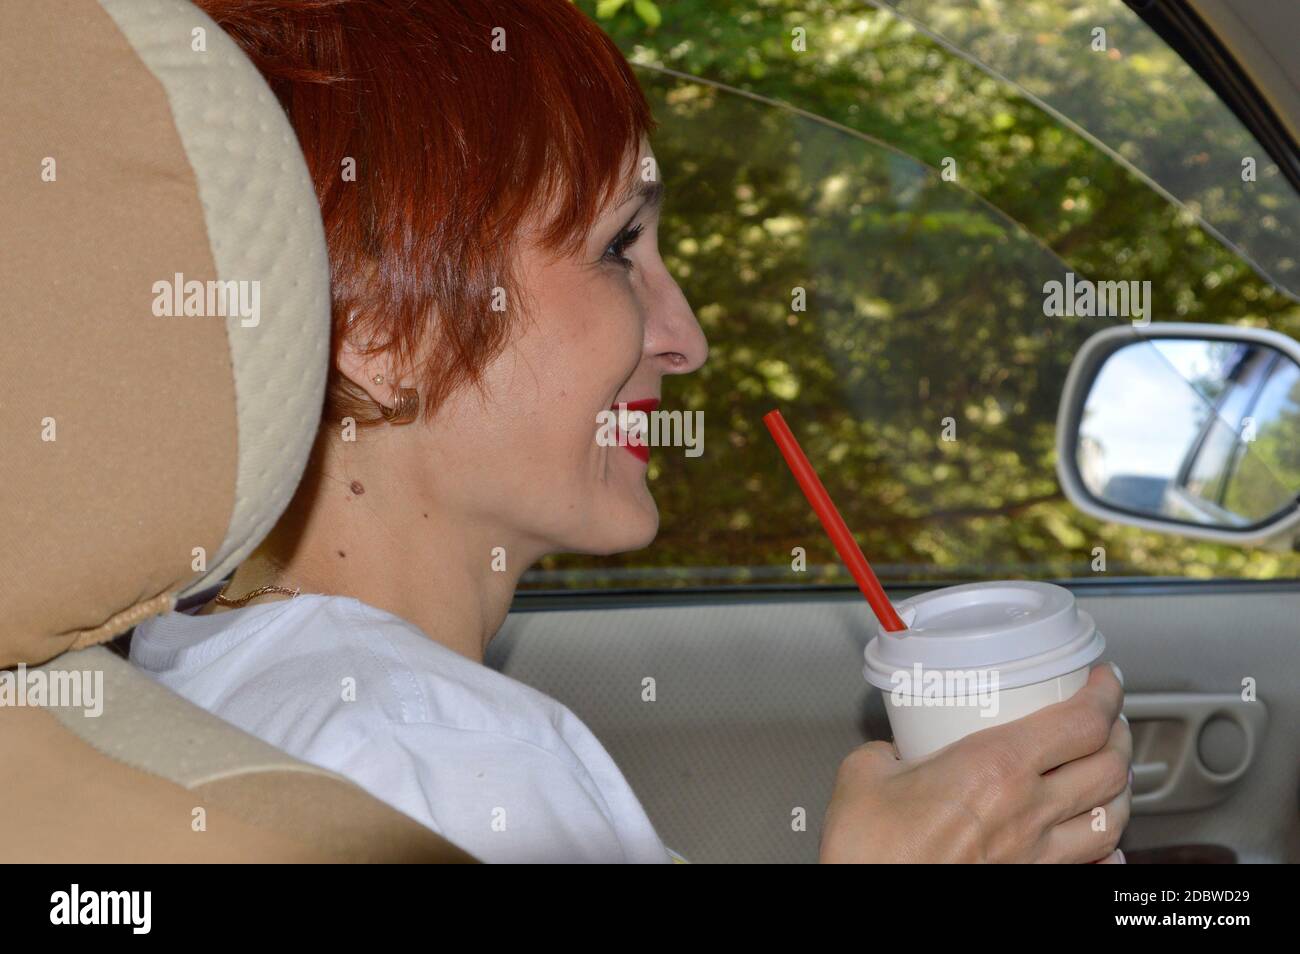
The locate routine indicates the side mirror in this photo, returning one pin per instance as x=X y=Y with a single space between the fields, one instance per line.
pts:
x=1185 y=428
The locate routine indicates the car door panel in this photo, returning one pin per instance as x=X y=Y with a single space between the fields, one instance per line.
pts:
x=755 y=699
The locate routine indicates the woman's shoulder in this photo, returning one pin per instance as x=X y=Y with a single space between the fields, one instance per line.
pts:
x=361 y=691
x=436 y=683
x=346 y=662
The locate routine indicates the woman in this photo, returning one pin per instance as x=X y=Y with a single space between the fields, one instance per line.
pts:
x=491 y=205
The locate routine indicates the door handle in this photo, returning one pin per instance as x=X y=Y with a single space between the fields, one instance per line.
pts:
x=1190 y=749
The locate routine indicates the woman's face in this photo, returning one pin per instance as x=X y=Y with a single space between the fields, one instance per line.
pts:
x=521 y=458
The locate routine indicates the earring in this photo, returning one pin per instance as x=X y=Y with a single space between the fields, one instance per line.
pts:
x=406 y=408
x=378 y=379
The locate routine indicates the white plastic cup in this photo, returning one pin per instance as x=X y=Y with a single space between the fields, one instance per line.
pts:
x=979 y=655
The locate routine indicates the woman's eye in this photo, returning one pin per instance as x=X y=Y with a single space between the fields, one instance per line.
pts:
x=622 y=242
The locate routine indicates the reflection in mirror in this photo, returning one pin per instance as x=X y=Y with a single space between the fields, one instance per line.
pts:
x=1195 y=430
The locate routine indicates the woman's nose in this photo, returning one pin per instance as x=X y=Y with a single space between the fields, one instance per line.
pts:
x=677 y=339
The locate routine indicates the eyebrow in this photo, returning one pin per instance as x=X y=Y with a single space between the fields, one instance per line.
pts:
x=650 y=193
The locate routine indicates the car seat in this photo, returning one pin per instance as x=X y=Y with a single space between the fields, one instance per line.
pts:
x=146 y=449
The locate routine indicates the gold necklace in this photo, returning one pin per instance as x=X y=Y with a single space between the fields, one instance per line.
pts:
x=224 y=600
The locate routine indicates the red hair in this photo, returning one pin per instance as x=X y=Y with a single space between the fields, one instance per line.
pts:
x=465 y=120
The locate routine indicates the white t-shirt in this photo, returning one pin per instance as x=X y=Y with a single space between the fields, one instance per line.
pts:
x=496 y=767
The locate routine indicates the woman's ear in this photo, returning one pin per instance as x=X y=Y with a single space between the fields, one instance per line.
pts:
x=374 y=372
x=366 y=369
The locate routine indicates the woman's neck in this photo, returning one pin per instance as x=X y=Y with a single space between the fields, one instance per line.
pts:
x=350 y=530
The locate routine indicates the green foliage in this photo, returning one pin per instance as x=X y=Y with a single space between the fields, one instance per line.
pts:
x=647 y=10
x=924 y=296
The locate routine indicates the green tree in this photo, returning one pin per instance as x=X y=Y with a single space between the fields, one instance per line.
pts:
x=822 y=169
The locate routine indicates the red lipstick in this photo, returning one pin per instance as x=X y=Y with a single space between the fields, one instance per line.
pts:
x=640 y=451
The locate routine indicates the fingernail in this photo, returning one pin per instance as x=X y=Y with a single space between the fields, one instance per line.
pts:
x=1122 y=859
x=1130 y=777
x=1118 y=674
x=1124 y=717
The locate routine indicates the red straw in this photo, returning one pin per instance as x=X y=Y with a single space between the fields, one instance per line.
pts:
x=835 y=526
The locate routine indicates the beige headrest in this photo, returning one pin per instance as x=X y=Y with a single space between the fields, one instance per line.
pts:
x=145 y=449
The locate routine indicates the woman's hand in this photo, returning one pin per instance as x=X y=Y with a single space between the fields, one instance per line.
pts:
x=1020 y=792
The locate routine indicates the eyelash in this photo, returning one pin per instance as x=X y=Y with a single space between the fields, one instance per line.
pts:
x=622 y=242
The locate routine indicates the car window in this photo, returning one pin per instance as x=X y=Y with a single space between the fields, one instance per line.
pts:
x=1268 y=457
x=1219 y=459
x=865 y=216
x=1142 y=103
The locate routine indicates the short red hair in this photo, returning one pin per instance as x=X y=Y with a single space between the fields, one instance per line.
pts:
x=456 y=143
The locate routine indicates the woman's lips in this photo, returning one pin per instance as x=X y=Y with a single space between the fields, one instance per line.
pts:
x=638 y=450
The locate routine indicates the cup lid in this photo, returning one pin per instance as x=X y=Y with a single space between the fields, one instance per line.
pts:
x=1024 y=630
